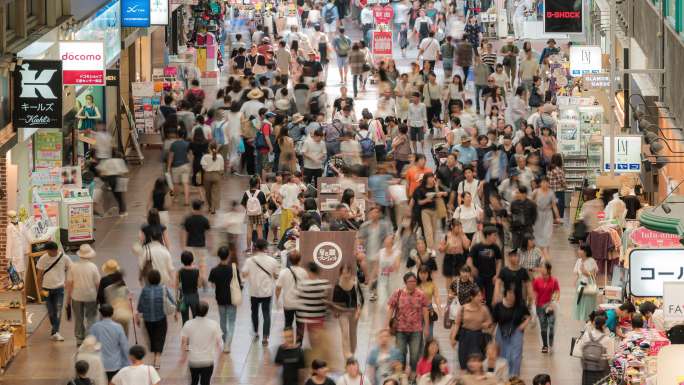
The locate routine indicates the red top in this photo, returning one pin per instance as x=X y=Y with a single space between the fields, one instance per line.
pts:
x=425 y=366
x=544 y=288
x=266 y=130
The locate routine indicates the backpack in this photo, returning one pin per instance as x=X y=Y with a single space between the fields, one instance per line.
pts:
x=535 y=99
x=217 y=134
x=253 y=203
x=593 y=354
x=342 y=46
x=247 y=129
x=543 y=124
x=314 y=105
x=329 y=16
x=367 y=145
x=261 y=138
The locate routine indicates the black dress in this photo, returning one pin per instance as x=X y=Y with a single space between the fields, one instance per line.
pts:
x=198 y=150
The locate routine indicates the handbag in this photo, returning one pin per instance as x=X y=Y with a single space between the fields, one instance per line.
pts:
x=393 y=319
x=591 y=288
x=235 y=289
x=169 y=305
x=147 y=266
x=440 y=208
x=432 y=314
x=448 y=322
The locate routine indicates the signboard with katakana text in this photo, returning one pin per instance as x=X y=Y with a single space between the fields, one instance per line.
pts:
x=649 y=269
x=38 y=94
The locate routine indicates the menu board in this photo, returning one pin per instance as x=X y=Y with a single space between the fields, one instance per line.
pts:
x=48 y=149
x=80 y=222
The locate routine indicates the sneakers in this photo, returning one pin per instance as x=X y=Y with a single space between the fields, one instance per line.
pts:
x=264 y=342
x=57 y=337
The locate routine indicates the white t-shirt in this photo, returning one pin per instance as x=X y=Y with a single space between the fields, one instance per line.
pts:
x=430 y=47
x=56 y=277
x=289 y=193
x=204 y=340
x=286 y=282
x=86 y=278
x=470 y=187
x=315 y=150
x=468 y=217
x=137 y=375
x=260 y=282
x=347 y=380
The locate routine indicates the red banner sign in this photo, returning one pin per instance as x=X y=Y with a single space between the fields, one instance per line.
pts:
x=645 y=237
x=383 y=14
x=382 y=43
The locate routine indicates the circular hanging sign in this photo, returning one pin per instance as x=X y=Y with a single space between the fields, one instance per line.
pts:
x=327 y=255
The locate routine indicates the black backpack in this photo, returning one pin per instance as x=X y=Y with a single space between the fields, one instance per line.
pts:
x=535 y=98
x=329 y=16
x=314 y=105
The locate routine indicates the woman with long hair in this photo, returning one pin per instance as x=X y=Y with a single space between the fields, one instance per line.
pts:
x=357 y=59
x=425 y=197
x=347 y=300
x=153 y=224
x=199 y=146
x=349 y=201
x=455 y=91
x=213 y=165
x=495 y=98
x=159 y=200
x=545 y=199
x=469 y=214
x=585 y=281
x=427 y=286
x=556 y=176
x=455 y=246
x=471 y=327
x=439 y=372
x=430 y=351
x=474 y=373
x=511 y=317
x=287 y=159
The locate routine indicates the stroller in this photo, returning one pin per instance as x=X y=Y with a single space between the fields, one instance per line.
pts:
x=439 y=152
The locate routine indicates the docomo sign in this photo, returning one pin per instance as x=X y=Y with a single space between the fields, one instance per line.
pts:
x=648 y=238
x=83 y=62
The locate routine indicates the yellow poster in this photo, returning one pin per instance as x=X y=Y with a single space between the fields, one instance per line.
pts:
x=202 y=59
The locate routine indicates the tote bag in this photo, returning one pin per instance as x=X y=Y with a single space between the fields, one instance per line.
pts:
x=235 y=290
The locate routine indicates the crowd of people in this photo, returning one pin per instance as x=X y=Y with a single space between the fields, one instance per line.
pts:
x=478 y=215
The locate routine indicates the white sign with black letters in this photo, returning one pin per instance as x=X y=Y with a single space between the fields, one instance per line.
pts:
x=649 y=269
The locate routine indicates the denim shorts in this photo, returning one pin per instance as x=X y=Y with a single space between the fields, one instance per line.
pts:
x=342 y=61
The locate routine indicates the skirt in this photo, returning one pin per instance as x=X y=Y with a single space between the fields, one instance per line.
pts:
x=469 y=342
x=452 y=264
x=255 y=220
x=156 y=331
x=286 y=217
x=590 y=377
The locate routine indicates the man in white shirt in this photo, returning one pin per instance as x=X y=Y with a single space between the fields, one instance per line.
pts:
x=429 y=48
x=82 y=281
x=286 y=286
x=201 y=340
x=417 y=121
x=366 y=23
x=251 y=107
x=52 y=268
x=260 y=271
x=137 y=373
x=314 y=153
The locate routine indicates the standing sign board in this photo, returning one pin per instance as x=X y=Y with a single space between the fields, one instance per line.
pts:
x=673 y=301
x=649 y=269
x=38 y=95
x=562 y=16
x=627 y=151
x=330 y=250
x=135 y=13
x=382 y=43
x=383 y=14
x=83 y=62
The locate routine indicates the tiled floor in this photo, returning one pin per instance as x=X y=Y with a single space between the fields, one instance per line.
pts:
x=47 y=363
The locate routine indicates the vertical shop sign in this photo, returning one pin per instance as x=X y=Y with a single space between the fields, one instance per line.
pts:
x=627 y=150
x=38 y=95
x=159 y=12
x=563 y=16
x=48 y=149
x=80 y=226
x=382 y=43
x=135 y=13
x=585 y=59
x=83 y=62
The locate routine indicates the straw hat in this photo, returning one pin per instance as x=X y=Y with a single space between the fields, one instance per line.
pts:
x=255 y=93
x=296 y=118
x=110 y=267
x=85 y=251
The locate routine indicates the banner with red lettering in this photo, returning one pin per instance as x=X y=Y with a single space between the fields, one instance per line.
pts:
x=383 y=14
x=382 y=43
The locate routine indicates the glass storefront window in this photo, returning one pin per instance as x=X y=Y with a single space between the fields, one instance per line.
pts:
x=105 y=26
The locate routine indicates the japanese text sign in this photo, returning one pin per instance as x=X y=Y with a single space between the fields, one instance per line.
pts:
x=673 y=301
x=83 y=62
x=38 y=94
x=383 y=14
x=650 y=268
x=382 y=43
x=135 y=13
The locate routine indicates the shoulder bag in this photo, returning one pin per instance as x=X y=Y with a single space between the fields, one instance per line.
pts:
x=53 y=264
x=147 y=266
x=169 y=305
x=273 y=276
x=440 y=206
x=235 y=289
x=395 y=313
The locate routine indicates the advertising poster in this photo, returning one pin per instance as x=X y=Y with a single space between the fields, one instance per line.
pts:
x=52 y=210
x=135 y=13
x=89 y=103
x=561 y=16
x=145 y=105
x=382 y=43
x=48 y=149
x=627 y=150
x=585 y=59
x=80 y=225
x=83 y=62
x=591 y=119
x=71 y=176
x=38 y=94
x=568 y=136
x=159 y=12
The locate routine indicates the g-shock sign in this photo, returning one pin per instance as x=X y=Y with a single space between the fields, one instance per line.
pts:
x=563 y=16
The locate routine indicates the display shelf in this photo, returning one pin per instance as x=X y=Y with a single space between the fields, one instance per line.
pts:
x=14 y=317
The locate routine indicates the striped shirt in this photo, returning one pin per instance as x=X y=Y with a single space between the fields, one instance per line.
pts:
x=312 y=295
x=489 y=59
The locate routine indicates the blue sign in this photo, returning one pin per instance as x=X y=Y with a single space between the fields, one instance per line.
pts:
x=135 y=13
